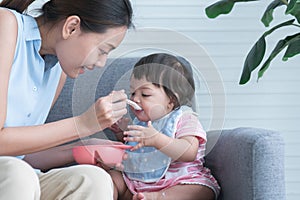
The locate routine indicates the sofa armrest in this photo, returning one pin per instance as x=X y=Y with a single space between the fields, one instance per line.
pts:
x=248 y=163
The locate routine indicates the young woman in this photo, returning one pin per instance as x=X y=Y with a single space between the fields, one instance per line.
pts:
x=69 y=37
x=166 y=161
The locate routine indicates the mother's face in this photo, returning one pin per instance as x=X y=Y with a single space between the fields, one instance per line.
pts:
x=84 y=50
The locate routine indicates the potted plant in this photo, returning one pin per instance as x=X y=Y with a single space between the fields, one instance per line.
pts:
x=290 y=44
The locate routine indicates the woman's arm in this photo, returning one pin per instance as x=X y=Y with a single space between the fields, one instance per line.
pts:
x=61 y=155
x=50 y=158
x=8 y=40
x=24 y=140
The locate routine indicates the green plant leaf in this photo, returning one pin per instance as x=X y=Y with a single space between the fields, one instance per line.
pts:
x=253 y=59
x=221 y=7
x=287 y=23
x=267 y=17
x=257 y=53
x=278 y=48
x=218 y=8
x=292 y=50
x=293 y=8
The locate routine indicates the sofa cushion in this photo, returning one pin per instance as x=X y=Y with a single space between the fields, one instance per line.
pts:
x=248 y=163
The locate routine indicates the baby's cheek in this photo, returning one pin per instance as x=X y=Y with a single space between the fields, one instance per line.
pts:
x=156 y=111
x=143 y=116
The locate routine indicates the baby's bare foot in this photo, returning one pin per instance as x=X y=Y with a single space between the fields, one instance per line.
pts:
x=138 y=196
x=146 y=196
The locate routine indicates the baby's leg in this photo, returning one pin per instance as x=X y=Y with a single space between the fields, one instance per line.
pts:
x=186 y=192
x=121 y=191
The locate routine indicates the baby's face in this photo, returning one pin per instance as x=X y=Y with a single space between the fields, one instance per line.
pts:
x=153 y=100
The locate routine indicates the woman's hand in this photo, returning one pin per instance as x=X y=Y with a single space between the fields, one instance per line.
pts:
x=144 y=136
x=103 y=113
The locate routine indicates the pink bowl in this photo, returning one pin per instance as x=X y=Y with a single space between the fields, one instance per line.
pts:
x=108 y=154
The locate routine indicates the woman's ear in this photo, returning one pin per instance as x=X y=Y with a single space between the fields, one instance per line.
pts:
x=71 y=26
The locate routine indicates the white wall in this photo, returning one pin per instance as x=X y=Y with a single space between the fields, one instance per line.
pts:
x=272 y=103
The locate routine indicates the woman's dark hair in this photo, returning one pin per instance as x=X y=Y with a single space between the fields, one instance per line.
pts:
x=172 y=73
x=96 y=15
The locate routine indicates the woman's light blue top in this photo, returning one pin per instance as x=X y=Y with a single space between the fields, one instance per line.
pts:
x=33 y=80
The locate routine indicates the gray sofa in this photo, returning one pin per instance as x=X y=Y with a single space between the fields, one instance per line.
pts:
x=247 y=162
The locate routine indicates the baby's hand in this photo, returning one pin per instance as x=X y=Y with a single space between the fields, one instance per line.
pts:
x=123 y=123
x=119 y=127
x=144 y=136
